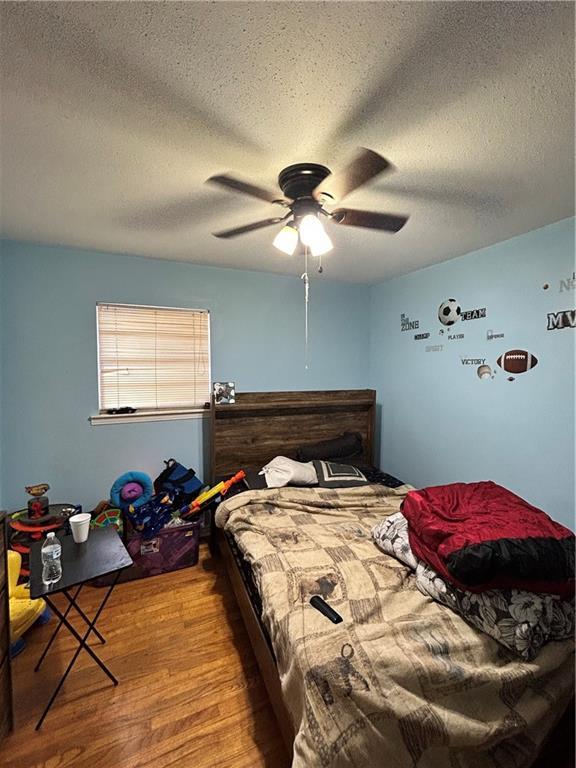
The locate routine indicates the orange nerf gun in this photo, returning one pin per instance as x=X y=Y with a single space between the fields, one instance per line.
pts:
x=220 y=489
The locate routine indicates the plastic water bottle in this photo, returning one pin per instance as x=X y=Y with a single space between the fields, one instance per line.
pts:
x=51 y=566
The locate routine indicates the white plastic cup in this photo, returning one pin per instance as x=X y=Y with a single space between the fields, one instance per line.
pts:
x=80 y=525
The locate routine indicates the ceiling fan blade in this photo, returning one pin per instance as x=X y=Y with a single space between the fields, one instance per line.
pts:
x=370 y=219
x=224 y=180
x=226 y=233
x=363 y=167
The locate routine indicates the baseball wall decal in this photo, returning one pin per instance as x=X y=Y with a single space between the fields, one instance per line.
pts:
x=517 y=361
x=484 y=372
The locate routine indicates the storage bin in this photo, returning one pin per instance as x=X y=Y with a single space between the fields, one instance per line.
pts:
x=172 y=548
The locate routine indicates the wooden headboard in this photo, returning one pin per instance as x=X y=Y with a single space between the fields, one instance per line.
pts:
x=260 y=425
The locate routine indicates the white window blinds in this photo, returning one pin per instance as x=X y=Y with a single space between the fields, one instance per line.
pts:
x=153 y=358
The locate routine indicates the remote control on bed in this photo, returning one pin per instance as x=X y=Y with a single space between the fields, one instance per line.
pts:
x=322 y=606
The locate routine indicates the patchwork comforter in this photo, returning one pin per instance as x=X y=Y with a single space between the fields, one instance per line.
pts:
x=402 y=681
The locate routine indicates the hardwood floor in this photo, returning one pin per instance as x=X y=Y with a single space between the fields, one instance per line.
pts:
x=190 y=692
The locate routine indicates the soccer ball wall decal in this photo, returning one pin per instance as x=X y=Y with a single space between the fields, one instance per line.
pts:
x=449 y=311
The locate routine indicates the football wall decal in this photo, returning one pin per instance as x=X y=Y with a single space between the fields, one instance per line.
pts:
x=449 y=311
x=517 y=361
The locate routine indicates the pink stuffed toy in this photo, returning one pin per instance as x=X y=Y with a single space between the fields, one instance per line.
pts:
x=131 y=491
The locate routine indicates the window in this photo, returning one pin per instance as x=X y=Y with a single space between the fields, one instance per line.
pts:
x=153 y=358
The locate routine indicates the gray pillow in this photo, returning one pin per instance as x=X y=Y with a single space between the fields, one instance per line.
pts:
x=333 y=475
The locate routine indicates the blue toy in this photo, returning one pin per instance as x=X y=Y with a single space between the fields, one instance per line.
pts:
x=151 y=517
x=132 y=489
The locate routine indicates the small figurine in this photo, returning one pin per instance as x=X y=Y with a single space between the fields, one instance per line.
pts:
x=38 y=504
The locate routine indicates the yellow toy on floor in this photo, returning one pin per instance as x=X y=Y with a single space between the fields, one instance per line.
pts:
x=23 y=611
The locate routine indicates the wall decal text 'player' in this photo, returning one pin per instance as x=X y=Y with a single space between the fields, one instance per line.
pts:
x=517 y=361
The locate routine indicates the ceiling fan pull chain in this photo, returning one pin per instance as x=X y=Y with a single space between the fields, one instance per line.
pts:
x=306 y=303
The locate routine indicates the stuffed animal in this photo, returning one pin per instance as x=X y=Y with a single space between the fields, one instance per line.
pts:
x=131 y=489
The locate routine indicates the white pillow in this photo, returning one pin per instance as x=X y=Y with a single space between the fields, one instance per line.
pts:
x=282 y=471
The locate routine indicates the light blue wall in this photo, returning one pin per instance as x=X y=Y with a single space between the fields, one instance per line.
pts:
x=48 y=342
x=1 y=353
x=439 y=422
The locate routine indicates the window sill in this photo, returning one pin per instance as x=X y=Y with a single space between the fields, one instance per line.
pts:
x=141 y=416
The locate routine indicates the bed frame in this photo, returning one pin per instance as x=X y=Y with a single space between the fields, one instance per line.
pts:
x=261 y=425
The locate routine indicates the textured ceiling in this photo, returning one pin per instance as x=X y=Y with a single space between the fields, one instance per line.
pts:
x=114 y=114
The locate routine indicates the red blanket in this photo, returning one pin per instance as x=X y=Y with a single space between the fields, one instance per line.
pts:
x=481 y=536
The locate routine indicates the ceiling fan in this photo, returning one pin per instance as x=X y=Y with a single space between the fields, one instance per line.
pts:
x=306 y=189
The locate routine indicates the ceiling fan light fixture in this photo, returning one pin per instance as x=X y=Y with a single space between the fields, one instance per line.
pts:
x=321 y=245
x=287 y=239
x=310 y=228
x=313 y=234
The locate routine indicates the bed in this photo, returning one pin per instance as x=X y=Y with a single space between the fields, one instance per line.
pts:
x=402 y=681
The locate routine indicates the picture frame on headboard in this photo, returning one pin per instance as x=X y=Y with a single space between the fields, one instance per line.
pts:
x=224 y=392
